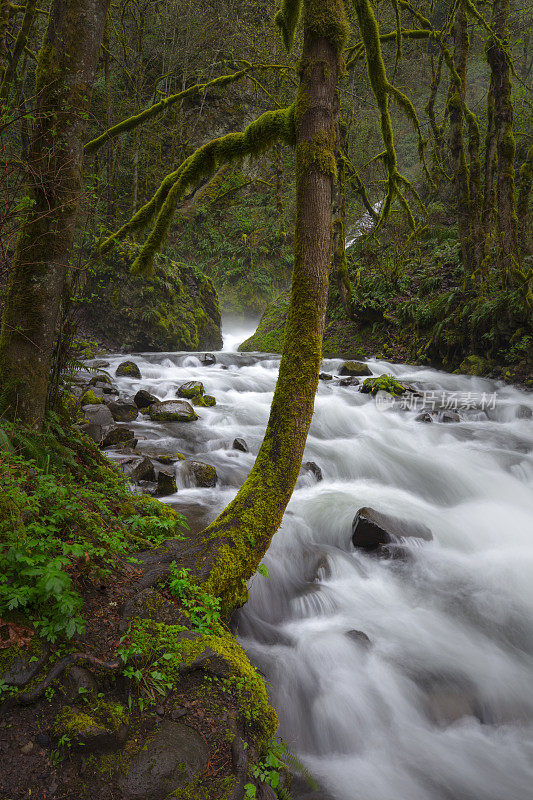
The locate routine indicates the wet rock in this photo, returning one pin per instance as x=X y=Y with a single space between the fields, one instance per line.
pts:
x=100 y=364
x=167 y=760
x=424 y=416
x=208 y=359
x=207 y=401
x=169 y=458
x=143 y=399
x=359 y=638
x=100 y=380
x=354 y=368
x=138 y=468
x=240 y=444
x=172 y=411
x=123 y=412
x=395 y=552
x=349 y=381
x=371 y=530
x=128 y=369
x=199 y=474
x=97 y=419
x=166 y=483
x=313 y=468
x=325 y=376
x=118 y=435
x=449 y=416
x=191 y=389
x=450 y=698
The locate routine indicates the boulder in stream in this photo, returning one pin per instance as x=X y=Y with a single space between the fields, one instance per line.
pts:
x=200 y=474
x=166 y=483
x=208 y=360
x=138 y=468
x=128 y=369
x=191 y=389
x=143 y=399
x=355 y=368
x=372 y=529
x=207 y=401
x=172 y=411
x=240 y=444
x=123 y=412
x=119 y=435
x=314 y=469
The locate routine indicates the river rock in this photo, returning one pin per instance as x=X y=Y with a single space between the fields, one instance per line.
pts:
x=240 y=444
x=119 y=435
x=371 y=529
x=172 y=411
x=424 y=416
x=325 y=376
x=98 y=415
x=449 y=416
x=350 y=381
x=199 y=474
x=313 y=468
x=100 y=380
x=354 y=368
x=128 y=369
x=123 y=412
x=208 y=360
x=166 y=483
x=207 y=401
x=191 y=389
x=174 y=755
x=138 y=468
x=143 y=399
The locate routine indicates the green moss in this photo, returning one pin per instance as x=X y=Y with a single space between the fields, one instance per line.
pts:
x=97 y=714
x=89 y=398
x=385 y=383
x=207 y=401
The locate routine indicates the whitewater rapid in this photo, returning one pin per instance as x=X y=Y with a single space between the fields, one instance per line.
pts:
x=435 y=700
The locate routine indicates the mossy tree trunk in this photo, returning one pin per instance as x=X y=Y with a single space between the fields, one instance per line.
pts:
x=65 y=75
x=498 y=58
x=339 y=266
x=233 y=545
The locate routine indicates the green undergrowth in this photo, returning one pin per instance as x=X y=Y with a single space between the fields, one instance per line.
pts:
x=412 y=302
x=65 y=514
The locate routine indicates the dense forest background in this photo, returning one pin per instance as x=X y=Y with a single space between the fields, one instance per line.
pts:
x=411 y=294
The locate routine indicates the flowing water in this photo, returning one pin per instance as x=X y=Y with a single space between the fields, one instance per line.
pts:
x=435 y=700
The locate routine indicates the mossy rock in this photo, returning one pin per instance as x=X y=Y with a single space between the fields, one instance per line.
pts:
x=90 y=398
x=128 y=369
x=355 y=368
x=191 y=390
x=200 y=474
x=172 y=411
x=99 y=725
x=385 y=383
x=207 y=401
x=175 y=309
x=123 y=412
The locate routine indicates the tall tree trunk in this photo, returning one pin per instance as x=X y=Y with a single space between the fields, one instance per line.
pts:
x=503 y=125
x=339 y=266
x=233 y=545
x=65 y=76
x=489 y=202
x=457 y=147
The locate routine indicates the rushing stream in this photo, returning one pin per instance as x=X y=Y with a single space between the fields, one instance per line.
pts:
x=437 y=702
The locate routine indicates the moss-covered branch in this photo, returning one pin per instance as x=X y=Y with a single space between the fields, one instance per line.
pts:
x=163 y=105
x=287 y=20
x=261 y=134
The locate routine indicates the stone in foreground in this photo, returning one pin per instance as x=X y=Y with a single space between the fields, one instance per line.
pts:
x=372 y=530
x=191 y=389
x=172 y=411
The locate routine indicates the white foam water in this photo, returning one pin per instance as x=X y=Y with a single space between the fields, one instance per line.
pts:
x=399 y=679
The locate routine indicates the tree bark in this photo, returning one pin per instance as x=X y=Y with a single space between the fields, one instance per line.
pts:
x=503 y=126
x=65 y=75
x=233 y=545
